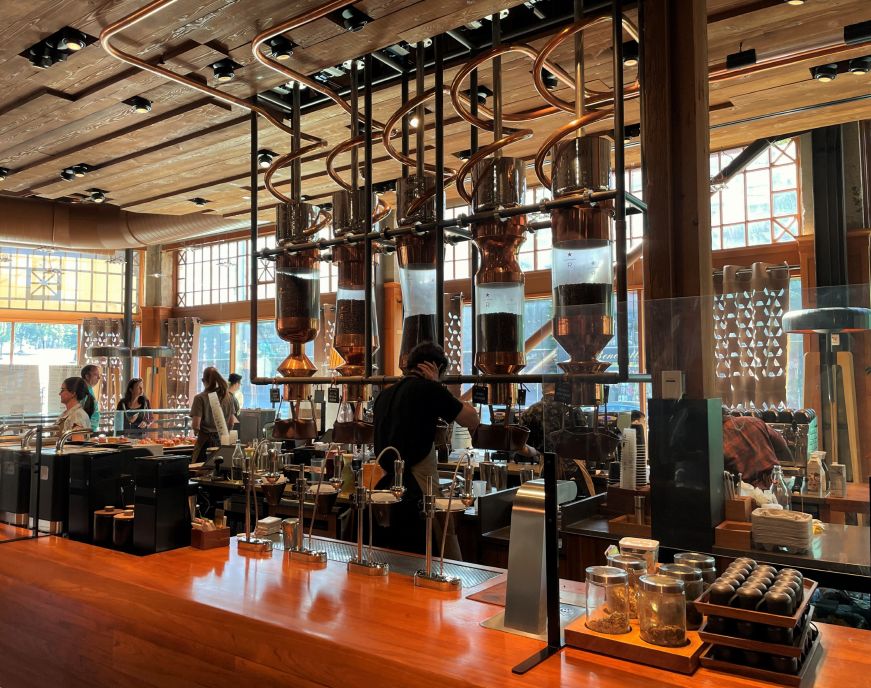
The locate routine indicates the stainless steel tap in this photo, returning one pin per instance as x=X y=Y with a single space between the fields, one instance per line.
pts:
x=27 y=437
x=62 y=440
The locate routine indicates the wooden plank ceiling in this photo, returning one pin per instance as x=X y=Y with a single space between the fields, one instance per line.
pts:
x=190 y=145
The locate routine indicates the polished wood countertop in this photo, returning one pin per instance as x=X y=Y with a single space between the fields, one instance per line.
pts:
x=76 y=615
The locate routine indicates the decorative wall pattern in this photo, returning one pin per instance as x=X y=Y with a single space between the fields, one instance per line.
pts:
x=182 y=371
x=750 y=343
x=105 y=332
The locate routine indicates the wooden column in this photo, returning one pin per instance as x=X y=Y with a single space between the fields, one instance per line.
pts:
x=675 y=153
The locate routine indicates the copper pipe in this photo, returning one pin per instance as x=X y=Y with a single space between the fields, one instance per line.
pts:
x=559 y=134
x=551 y=45
x=388 y=132
x=457 y=98
x=343 y=147
x=283 y=161
x=143 y=13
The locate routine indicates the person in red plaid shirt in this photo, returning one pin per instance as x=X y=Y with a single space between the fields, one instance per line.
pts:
x=752 y=448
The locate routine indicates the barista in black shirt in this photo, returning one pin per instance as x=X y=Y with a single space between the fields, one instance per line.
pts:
x=406 y=415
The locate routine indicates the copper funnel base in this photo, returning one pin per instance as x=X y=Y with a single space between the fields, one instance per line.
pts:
x=297 y=365
x=501 y=363
x=585 y=393
x=273 y=492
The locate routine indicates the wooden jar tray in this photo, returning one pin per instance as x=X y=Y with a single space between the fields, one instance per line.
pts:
x=210 y=539
x=781 y=649
x=765 y=618
x=630 y=646
x=804 y=678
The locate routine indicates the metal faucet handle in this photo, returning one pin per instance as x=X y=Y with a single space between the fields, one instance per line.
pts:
x=62 y=440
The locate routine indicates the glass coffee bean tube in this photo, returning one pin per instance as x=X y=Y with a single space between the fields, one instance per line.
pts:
x=416 y=257
x=499 y=282
x=581 y=272
x=297 y=294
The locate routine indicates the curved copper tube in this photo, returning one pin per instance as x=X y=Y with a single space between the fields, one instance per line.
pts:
x=143 y=13
x=343 y=147
x=483 y=152
x=522 y=116
x=290 y=25
x=551 y=45
x=388 y=133
x=556 y=136
x=326 y=218
x=282 y=161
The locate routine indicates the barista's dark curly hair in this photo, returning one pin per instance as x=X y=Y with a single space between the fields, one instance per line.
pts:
x=427 y=352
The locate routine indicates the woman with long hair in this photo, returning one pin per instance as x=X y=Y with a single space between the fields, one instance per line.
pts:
x=215 y=395
x=137 y=410
x=73 y=391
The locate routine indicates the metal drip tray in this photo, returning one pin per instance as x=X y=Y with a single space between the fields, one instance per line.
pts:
x=403 y=564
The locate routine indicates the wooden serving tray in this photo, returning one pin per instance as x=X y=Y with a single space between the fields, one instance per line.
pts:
x=630 y=646
x=793 y=650
x=765 y=618
x=625 y=525
x=804 y=678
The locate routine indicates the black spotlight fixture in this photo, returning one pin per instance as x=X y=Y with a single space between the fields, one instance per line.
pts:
x=280 y=48
x=550 y=80
x=743 y=58
x=224 y=70
x=71 y=40
x=483 y=93
x=4 y=172
x=97 y=195
x=199 y=201
x=350 y=18
x=464 y=154
x=857 y=33
x=265 y=158
x=81 y=169
x=631 y=131
x=860 y=65
x=139 y=105
x=67 y=174
x=825 y=73
x=630 y=53
x=794 y=3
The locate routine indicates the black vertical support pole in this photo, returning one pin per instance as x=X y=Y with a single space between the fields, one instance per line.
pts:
x=128 y=310
x=420 y=113
x=36 y=470
x=440 y=187
x=473 y=148
x=404 y=92
x=367 y=190
x=296 y=170
x=252 y=367
x=620 y=197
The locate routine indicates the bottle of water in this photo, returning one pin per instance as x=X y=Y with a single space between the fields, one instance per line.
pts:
x=238 y=462
x=778 y=488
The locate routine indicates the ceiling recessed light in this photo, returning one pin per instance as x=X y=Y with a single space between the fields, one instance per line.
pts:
x=97 y=195
x=350 y=18
x=795 y=3
x=464 y=154
x=743 y=58
x=280 y=48
x=4 y=172
x=825 y=73
x=550 y=80
x=413 y=121
x=81 y=169
x=860 y=65
x=199 y=201
x=72 y=40
x=225 y=70
x=139 y=104
x=67 y=174
x=265 y=158
x=483 y=93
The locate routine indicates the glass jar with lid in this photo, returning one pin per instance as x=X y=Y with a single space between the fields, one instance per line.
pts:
x=662 y=611
x=635 y=567
x=694 y=586
x=703 y=562
x=607 y=600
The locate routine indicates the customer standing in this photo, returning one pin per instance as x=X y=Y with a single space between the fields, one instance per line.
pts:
x=72 y=392
x=213 y=400
x=235 y=386
x=92 y=374
x=137 y=410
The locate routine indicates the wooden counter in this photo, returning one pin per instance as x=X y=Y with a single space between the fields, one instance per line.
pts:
x=75 y=615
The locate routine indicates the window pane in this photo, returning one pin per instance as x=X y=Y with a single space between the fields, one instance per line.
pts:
x=733 y=201
x=214 y=349
x=784 y=177
x=758 y=195
x=41 y=346
x=759 y=233
x=733 y=236
x=785 y=203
